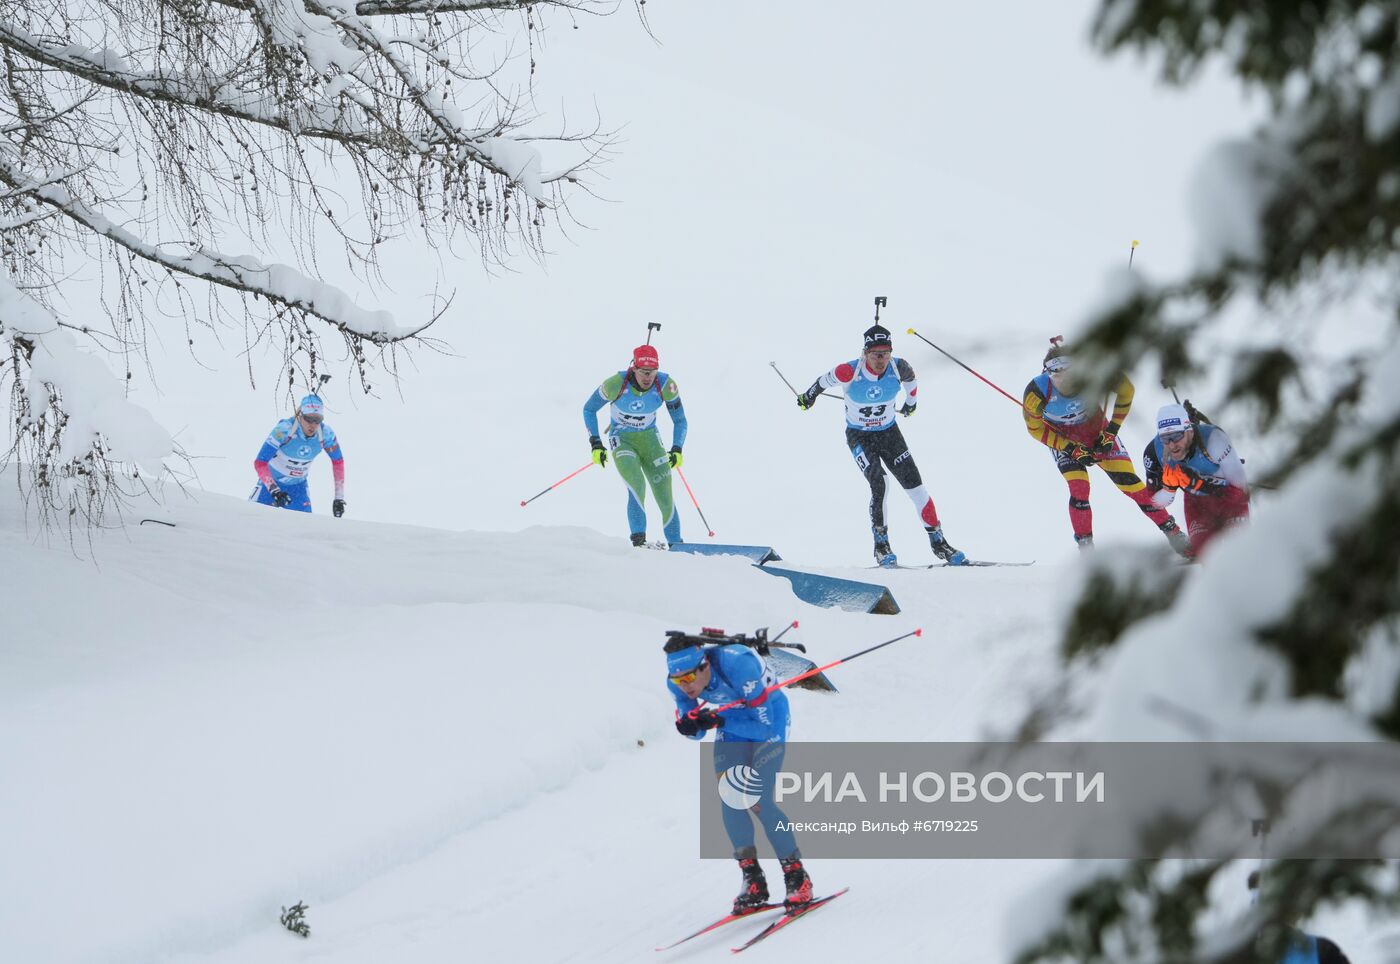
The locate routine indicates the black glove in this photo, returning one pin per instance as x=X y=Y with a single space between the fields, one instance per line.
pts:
x=907 y=408
x=698 y=721
x=1080 y=454
x=676 y=459
x=600 y=454
x=338 y=508
x=1106 y=440
x=808 y=398
x=281 y=499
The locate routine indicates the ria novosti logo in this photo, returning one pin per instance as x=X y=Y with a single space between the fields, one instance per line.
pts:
x=740 y=787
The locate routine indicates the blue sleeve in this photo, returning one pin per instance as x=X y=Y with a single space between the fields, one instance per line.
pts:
x=684 y=704
x=591 y=408
x=1151 y=471
x=274 y=441
x=678 y=429
x=745 y=671
x=330 y=444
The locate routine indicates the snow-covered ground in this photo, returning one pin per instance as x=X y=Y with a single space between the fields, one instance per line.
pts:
x=451 y=745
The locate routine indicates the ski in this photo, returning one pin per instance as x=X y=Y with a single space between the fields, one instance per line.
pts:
x=974 y=562
x=720 y=923
x=965 y=565
x=787 y=919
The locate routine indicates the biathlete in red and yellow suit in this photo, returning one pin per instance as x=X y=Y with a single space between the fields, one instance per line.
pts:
x=1076 y=431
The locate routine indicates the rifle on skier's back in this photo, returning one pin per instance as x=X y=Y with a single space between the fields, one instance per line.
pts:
x=776 y=654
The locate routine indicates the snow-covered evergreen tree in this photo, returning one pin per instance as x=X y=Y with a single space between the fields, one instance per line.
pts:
x=1290 y=631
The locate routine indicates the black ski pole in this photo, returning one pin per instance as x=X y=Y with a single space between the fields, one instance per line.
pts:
x=774 y=641
x=774 y=366
x=970 y=371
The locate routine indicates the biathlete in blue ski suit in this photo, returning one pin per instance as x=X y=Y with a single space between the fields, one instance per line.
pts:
x=286 y=457
x=754 y=735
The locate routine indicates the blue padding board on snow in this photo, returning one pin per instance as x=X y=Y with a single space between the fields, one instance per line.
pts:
x=828 y=591
x=758 y=555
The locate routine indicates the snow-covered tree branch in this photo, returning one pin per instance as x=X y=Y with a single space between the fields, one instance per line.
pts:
x=163 y=142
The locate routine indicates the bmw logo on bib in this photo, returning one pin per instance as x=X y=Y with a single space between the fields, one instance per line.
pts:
x=874 y=392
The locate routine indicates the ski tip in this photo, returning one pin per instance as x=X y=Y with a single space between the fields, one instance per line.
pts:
x=794 y=624
x=909 y=331
x=522 y=503
x=712 y=535
x=918 y=632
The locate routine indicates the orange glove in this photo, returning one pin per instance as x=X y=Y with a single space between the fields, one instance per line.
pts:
x=1188 y=479
x=1175 y=477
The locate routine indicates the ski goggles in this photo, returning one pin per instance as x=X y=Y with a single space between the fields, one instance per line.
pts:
x=689 y=676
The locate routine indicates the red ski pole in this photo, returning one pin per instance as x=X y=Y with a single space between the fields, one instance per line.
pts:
x=969 y=370
x=758 y=700
x=525 y=502
x=692 y=499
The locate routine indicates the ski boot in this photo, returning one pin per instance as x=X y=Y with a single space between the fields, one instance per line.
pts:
x=799 y=885
x=884 y=555
x=1085 y=542
x=942 y=549
x=639 y=540
x=754 y=893
x=1180 y=541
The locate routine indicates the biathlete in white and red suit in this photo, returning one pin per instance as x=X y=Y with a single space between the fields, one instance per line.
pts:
x=871 y=385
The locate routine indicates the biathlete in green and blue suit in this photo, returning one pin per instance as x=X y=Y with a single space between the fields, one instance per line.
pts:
x=636 y=396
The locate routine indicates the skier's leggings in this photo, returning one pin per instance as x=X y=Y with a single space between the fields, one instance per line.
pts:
x=1209 y=515
x=766 y=759
x=869 y=449
x=640 y=458
x=1119 y=467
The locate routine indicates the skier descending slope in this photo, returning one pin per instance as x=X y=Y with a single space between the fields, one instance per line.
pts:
x=747 y=735
x=1078 y=435
x=871 y=385
x=636 y=395
x=1199 y=460
x=286 y=457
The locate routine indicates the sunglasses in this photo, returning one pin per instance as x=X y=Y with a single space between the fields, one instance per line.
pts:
x=1173 y=437
x=313 y=419
x=687 y=677
x=1057 y=365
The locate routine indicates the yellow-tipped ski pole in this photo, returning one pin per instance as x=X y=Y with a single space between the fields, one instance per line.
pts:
x=1131 y=252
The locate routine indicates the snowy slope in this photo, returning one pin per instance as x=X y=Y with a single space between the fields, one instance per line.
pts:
x=451 y=745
